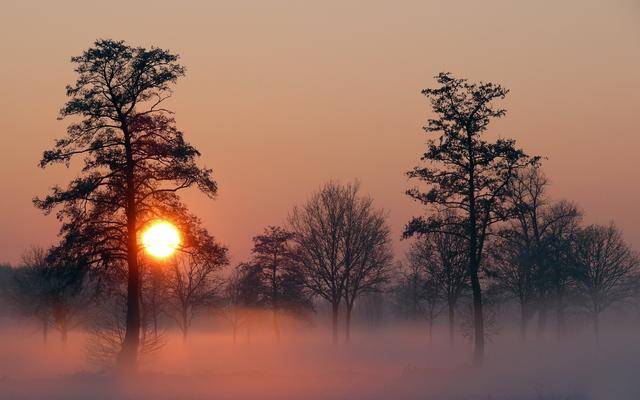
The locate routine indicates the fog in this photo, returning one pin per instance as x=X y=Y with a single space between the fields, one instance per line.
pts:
x=388 y=361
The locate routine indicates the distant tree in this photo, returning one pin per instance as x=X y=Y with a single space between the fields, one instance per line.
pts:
x=443 y=259
x=466 y=174
x=317 y=226
x=408 y=291
x=366 y=251
x=417 y=295
x=606 y=269
x=232 y=306
x=59 y=294
x=29 y=291
x=529 y=257
x=135 y=161
x=193 y=280
x=155 y=298
x=342 y=246
x=280 y=279
x=6 y=283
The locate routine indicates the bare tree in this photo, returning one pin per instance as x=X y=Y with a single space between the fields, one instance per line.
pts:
x=366 y=249
x=442 y=257
x=317 y=226
x=232 y=306
x=606 y=269
x=154 y=300
x=343 y=246
x=193 y=284
x=418 y=294
x=529 y=257
x=58 y=293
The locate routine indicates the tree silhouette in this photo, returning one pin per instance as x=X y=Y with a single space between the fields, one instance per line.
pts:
x=135 y=161
x=529 y=256
x=279 y=279
x=342 y=245
x=442 y=259
x=466 y=174
x=366 y=251
x=192 y=279
x=607 y=269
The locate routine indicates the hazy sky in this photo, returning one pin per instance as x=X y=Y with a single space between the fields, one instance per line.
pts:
x=281 y=96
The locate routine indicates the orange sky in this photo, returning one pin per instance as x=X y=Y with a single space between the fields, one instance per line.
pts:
x=281 y=96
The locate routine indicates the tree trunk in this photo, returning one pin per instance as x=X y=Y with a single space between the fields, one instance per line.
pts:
x=235 y=332
x=155 y=321
x=128 y=357
x=45 y=330
x=523 y=321
x=542 y=319
x=476 y=289
x=276 y=325
x=64 y=333
x=430 y=330
x=560 y=322
x=452 y=311
x=478 y=319
x=185 y=324
x=334 y=321
x=596 y=326
x=347 y=326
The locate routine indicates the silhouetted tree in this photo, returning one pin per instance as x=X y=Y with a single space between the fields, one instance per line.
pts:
x=342 y=246
x=135 y=160
x=193 y=280
x=466 y=174
x=317 y=226
x=58 y=293
x=418 y=294
x=232 y=307
x=607 y=269
x=443 y=259
x=155 y=298
x=529 y=257
x=280 y=278
x=366 y=251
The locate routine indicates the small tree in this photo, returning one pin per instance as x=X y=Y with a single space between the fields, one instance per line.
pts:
x=193 y=281
x=317 y=226
x=366 y=249
x=280 y=278
x=529 y=258
x=418 y=295
x=232 y=306
x=442 y=257
x=607 y=269
x=56 y=292
x=466 y=174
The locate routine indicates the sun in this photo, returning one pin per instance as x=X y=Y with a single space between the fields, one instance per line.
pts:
x=161 y=239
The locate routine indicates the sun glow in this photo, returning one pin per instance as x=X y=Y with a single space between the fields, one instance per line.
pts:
x=161 y=239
